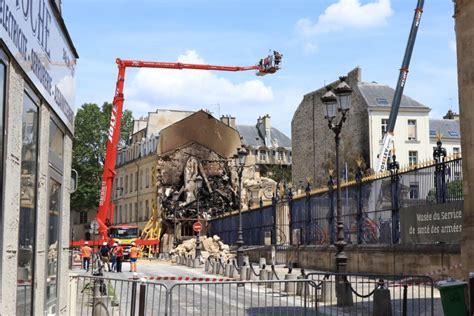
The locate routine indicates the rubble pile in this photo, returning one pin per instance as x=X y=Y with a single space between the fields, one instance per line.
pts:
x=211 y=246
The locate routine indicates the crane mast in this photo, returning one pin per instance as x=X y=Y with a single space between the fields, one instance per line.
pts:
x=105 y=214
x=397 y=97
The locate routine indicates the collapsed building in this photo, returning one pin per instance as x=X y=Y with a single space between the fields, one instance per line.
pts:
x=155 y=184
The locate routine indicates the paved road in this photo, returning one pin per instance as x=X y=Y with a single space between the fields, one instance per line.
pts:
x=195 y=298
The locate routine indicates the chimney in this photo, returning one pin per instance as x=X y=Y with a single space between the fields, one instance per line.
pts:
x=268 y=130
x=228 y=120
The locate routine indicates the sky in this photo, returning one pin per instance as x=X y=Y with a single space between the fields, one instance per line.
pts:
x=320 y=40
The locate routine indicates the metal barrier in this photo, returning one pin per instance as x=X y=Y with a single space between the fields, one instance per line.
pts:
x=372 y=294
x=98 y=296
x=241 y=298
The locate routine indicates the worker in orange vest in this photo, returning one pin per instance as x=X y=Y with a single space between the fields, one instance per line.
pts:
x=133 y=257
x=86 y=252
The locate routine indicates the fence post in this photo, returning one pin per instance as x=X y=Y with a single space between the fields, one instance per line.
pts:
x=331 y=208
x=141 y=302
x=289 y=199
x=274 y=205
x=358 y=178
x=307 y=234
x=439 y=155
x=394 y=167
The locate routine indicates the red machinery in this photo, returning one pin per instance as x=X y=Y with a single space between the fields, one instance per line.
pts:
x=105 y=214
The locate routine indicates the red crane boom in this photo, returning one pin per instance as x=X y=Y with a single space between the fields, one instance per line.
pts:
x=105 y=214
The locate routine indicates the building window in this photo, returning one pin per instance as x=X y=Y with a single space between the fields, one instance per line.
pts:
x=140 y=210
x=56 y=140
x=456 y=151
x=136 y=181
x=125 y=213
x=131 y=183
x=414 y=190
x=136 y=212
x=130 y=211
x=126 y=184
x=411 y=129
x=263 y=155
x=82 y=217
x=141 y=179
x=147 y=178
x=121 y=186
x=147 y=210
x=383 y=125
x=27 y=216
x=120 y=214
x=280 y=155
x=412 y=157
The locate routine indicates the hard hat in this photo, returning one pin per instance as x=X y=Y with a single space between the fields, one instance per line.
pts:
x=86 y=243
x=133 y=243
x=104 y=243
x=115 y=244
x=119 y=242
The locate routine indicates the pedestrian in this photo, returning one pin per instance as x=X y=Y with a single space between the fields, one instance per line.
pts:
x=133 y=257
x=119 y=256
x=104 y=254
x=114 y=257
x=86 y=252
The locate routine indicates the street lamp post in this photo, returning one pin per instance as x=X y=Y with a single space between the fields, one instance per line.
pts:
x=339 y=101
x=175 y=198
x=240 y=163
x=198 y=241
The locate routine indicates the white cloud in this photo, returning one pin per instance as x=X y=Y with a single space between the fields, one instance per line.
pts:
x=310 y=48
x=347 y=14
x=150 y=89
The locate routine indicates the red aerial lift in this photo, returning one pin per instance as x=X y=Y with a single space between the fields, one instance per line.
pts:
x=105 y=214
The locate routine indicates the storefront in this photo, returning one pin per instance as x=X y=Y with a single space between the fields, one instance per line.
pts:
x=37 y=92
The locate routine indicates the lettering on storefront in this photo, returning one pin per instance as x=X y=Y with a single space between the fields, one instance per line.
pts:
x=38 y=44
x=432 y=223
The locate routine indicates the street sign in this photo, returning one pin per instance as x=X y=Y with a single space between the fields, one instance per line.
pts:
x=197 y=227
x=94 y=225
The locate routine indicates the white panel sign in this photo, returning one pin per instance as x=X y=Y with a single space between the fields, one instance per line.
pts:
x=32 y=34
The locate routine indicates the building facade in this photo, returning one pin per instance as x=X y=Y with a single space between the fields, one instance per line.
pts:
x=37 y=90
x=363 y=132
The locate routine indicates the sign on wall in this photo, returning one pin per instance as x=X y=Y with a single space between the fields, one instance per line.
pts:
x=432 y=223
x=34 y=37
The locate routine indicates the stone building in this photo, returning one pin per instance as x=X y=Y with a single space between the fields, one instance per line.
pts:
x=464 y=15
x=37 y=91
x=363 y=131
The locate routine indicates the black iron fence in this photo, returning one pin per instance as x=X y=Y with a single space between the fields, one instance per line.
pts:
x=370 y=208
x=371 y=294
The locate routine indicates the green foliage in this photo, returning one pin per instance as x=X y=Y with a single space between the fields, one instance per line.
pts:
x=90 y=136
x=455 y=189
x=277 y=173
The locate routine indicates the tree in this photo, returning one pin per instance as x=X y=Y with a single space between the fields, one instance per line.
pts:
x=277 y=173
x=91 y=125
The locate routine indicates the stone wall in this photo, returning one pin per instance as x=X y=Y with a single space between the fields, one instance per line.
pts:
x=313 y=143
x=464 y=15
x=439 y=261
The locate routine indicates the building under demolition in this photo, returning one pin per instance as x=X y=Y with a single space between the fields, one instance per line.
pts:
x=155 y=186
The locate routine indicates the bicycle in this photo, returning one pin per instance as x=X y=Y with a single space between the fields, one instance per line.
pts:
x=96 y=289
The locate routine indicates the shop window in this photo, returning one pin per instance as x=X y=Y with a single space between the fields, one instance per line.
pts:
x=52 y=250
x=56 y=140
x=27 y=216
x=3 y=69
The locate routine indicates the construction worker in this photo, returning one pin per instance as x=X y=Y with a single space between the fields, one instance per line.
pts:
x=104 y=254
x=86 y=252
x=119 y=256
x=114 y=257
x=133 y=257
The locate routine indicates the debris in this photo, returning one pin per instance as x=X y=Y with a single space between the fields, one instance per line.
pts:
x=211 y=247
